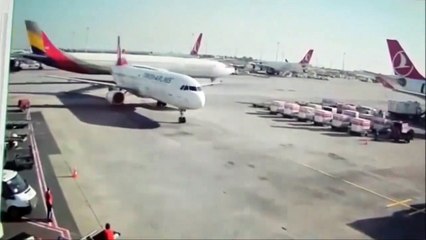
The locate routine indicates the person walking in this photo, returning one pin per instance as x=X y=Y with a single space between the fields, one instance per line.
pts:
x=49 y=204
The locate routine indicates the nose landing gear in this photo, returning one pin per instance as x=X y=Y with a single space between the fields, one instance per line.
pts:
x=182 y=118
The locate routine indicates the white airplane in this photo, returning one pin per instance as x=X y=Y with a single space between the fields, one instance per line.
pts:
x=165 y=86
x=406 y=79
x=44 y=51
x=277 y=67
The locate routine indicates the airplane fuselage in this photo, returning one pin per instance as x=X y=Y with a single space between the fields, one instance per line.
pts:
x=198 y=68
x=176 y=89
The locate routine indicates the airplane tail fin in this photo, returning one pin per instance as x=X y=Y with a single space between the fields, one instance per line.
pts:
x=402 y=65
x=120 y=59
x=40 y=43
x=307 y=58
x=196 y=46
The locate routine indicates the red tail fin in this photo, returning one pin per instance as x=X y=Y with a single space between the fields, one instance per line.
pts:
x=197 y=44
x=307 y=58
x=120 y=60
x=402 y=65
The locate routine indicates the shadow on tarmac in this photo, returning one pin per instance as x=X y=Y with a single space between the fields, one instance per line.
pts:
x=95 y=110
x=400 y=225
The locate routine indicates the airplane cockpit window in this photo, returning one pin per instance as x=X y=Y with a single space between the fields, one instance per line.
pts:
x=190 y=88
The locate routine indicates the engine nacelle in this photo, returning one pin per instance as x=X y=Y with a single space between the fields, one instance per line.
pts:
x=115 y=97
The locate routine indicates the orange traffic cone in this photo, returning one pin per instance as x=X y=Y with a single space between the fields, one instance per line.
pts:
x=364 y=141
x=74 y=173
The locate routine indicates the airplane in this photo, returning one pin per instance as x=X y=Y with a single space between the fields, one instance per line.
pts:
x=406 y=79
x=275 y=68
x=44 y=51
x=162 y=85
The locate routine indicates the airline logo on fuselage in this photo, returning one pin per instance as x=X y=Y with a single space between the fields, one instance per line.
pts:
x=401 y=65
x=159 y=78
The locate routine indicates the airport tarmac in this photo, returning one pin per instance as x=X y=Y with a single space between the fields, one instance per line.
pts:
x=232 y=171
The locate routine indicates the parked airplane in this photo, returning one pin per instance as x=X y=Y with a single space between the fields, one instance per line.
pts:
x=406 y=79
x=275 y=68
x=44 y=51
x=165 y=86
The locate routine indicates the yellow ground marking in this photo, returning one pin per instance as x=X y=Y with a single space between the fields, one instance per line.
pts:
x=399 y=203
x=418 y=211
x=402 y=203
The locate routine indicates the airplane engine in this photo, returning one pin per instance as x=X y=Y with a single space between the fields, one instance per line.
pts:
x=115 y=97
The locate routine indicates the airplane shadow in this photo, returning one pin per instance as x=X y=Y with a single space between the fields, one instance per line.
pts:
x=400 y=225
x=95 y=110
x=45 y=83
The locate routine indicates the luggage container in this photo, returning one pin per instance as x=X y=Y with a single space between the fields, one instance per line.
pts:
x=291 y=109
x=275 y=105
x=360 y=126
x=322 y=117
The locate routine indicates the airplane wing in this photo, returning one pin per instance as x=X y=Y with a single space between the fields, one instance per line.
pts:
x=390 y=82
x=105 y=83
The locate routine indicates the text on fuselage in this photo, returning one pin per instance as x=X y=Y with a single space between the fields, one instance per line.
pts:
x=157 y=77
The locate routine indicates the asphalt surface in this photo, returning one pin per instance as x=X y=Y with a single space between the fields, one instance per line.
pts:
x=232 y=171
x=36 y=223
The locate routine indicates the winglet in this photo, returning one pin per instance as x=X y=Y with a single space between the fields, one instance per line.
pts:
x=197 y=44
x=401 y=63
x=120 y=60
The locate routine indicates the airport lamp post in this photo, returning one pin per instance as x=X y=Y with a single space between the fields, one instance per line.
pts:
x=276 y=54
x=343 y=62
x=87 y=37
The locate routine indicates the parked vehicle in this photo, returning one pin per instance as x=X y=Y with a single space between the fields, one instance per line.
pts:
x=402 y=110
x=18 y=197
x=343 y=120
x=291 y=109
x=322 y=117
x=275 y=105
x=360 y=126
x=307 y=113
x=397 y=131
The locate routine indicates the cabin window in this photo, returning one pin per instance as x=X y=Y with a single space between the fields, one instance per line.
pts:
x=181 y=88
x=185 y=88
x=192 y=88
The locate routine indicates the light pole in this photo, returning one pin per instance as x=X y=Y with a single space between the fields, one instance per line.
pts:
x=87 y=37
x=343 y=62
x=276 y=54
x=72 y=40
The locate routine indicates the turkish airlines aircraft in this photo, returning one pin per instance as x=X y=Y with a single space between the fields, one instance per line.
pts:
x=166 y=87
x=44 y=51
x=406 y=79
x=274 y=67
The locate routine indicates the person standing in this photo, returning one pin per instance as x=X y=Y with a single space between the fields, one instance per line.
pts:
x=49 y=204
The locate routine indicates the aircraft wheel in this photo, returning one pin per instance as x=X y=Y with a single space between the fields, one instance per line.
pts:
x=182 y=120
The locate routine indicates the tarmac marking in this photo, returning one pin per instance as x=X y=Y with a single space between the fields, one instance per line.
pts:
x=399 y=203
x=396 y=202
x=42 y=181
x=418 y=211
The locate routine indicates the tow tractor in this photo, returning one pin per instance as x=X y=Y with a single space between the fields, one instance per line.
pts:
x=396 y=131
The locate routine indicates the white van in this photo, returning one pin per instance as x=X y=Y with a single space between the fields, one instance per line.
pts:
x=18 y=197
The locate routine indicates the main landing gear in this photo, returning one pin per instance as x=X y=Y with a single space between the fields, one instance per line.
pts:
x=161 y=104
x=182 y=118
